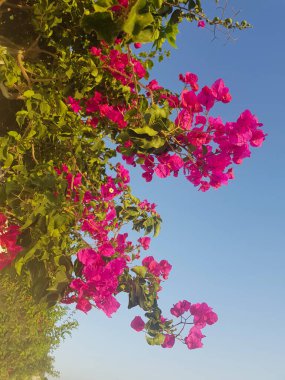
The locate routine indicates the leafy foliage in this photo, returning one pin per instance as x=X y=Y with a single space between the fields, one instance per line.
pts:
x=29 y=331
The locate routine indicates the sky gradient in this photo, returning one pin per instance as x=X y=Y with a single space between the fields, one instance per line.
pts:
x=226 y=246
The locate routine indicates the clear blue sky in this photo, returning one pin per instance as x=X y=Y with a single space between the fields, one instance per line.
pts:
x=226 y=246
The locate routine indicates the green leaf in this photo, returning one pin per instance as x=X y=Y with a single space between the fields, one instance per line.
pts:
x=145 y=131
x=28 y=94
x=155 y=142
x=155 y=341
x=15 y=134
x=191 y=4
x=156 y=228
x=19 y=265
x=8 y=161
x=103 y=24
x=21 y=117
x=139 y=23
x=140 y=270
x=45 y=108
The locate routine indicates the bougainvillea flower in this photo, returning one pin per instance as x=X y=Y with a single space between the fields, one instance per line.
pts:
x=168 y=341
x=138 y=324
x=194 y=338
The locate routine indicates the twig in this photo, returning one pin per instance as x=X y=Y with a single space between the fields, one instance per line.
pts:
x=20 y=56
x=33 y=154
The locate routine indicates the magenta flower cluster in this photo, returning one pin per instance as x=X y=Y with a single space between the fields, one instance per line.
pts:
x=201 y=315
x=8 y=242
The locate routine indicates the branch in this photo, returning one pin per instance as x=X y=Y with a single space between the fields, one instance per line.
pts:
x=7 y=95
x=20 y=57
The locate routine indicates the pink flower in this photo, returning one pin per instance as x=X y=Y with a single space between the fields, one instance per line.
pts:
x=74 y=104
x=162 y=170
x=203 y=315
x=145 y=242
x=8 y=240
x=168 y=341
x=165 y=269
x=109 y=190
x=190 y=78
x=257 y=138
x=139 y=69
x=107 y=250
x=95 y=51
x=83 y=305
x=193 y=340
x=152 y=265
x=201 y=24
x=123 y=3
x=220 y=92
x=123 y=173
x=206 y=97
x=190 y=101
x=180 y=308
x=87 y=256
x=137 y=45
x=137 y=324
x=109 y=305
x=153 y=85
x=184 y=120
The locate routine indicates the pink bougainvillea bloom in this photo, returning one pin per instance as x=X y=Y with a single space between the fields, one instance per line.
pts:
x=206 y=97
x=191 y=79
x=201 y=24
x=123 y=173
x=95 y=51
x=83 y=305
x=107 y=250
x=109 y=190
x=162 y=170
x=193 y=340
x=128 y=144
x=168 y=341
x=74 y=104
x=109 y=305
x=152 y=265
x=184 y=120
x=148 y=176
x=190 y=101
x=145 y=242
x=180 y=308
x=175 y=162
x=87 y=256
x=220 y=92
x=257 y=138
x=8 y=242
x=153 y=85
x=137 y=324
x=123 y=3
x=165 y=269
x=203 y=315
x=137 y=45
x=139 y=69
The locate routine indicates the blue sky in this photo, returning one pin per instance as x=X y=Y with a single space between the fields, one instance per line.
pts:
x=226 y=246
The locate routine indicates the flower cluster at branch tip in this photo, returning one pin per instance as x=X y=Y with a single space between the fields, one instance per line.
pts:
x=8 y=242
x=112 y=253
x=201 y=146
x=204 y=147
x=200 y=314
x=201 y=24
